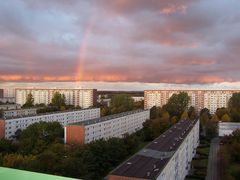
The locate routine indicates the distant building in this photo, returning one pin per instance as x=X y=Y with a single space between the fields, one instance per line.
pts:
x=106 y=127
x=19 y=113
x=166 y=158
x=8 y=126
x=84 y=98
x=226 y=128
x=10 y=106
x=210 y=99
x=8 y=100
x=138 y=98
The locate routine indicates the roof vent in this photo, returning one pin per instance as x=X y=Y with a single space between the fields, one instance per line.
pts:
x=148 y=173
x=156 y=170
x=154 y=166
x=155 y=142
x=129 y=163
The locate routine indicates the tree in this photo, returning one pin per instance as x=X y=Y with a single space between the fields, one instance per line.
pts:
x=192 y=113
x=184 y=116
x=214 y=118
x=153 y=112
x=225 y=118
x=36 y=137
x=121 y=103
x=29 y=101
x=234 y=107
x=59 y=100
x=177 y=104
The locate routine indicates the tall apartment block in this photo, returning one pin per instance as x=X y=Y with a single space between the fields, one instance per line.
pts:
x=166 y=158
x=84 y=98
x=106 y=127
x=211 y=99
x=9 y=125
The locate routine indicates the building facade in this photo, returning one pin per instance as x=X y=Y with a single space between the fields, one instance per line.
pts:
x=10 y=106
x=84 y=98
x=166 y=158
x=106 y=127
x=8 y=100
x=211 y=99
x=8 y=126
x=19 y=113
x=226 y=128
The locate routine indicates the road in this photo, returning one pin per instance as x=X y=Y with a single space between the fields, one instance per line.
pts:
x=212 y=173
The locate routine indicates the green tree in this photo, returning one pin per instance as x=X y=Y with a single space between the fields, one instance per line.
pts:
x=192 y=113
x=153 y=112
x=121 y=103
x=225 y=118
x=58 y=100
x=177 y=104
x=29 y=101
x=36 y=137
x=234 y=107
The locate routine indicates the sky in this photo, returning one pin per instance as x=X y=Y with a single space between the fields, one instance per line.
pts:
x=134 y=43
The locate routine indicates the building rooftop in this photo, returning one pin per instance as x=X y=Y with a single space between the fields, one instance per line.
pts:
x=151 y=160
x=49 y=113
x=15 y=174
x=107 y=118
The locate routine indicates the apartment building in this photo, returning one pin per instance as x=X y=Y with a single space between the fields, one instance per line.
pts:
x=168 y=157
x=227 y=128
x=7 y=100
x=84 y=98
x=10 y=106
x=19 y=113
x=106 y=127
x=8 y=126
x=211 y=99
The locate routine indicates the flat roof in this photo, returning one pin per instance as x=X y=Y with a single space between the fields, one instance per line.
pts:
x=15 y=174
x=106 y=118
x=49 y=113
x=151 y=160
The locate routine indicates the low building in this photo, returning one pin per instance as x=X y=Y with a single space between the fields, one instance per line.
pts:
x=138 y=98
x=19 y=113
x=15 y=174
x=10 y=106
x=106 y=127
x=226 y=128
x=166 y=158
x=9 y=126
x=8 y=100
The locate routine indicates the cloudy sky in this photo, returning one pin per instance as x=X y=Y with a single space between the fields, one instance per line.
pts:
x=131 y=41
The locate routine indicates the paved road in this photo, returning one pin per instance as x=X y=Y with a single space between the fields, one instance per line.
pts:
x=212 y=173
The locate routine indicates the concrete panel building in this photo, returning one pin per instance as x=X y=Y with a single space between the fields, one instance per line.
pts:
x=19 y=113
x=106 y=127
x=211 y=99
x=166 y=158
x=8 y=126
x=226 y=128
x=84 y=98
x=10 y=106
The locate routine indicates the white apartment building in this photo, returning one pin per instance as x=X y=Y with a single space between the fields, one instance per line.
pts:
x=9 y=126
x=227 y=128
x=7 y=100
x=10 y=106
x=211 y=99
x=166 y=158
x=106 y=127
x=138 y=98
x=19 y=113
x=84 y=98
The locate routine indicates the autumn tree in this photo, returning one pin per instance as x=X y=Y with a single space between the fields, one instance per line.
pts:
x=121 y=103
x=225 y=118
x=234 y=107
